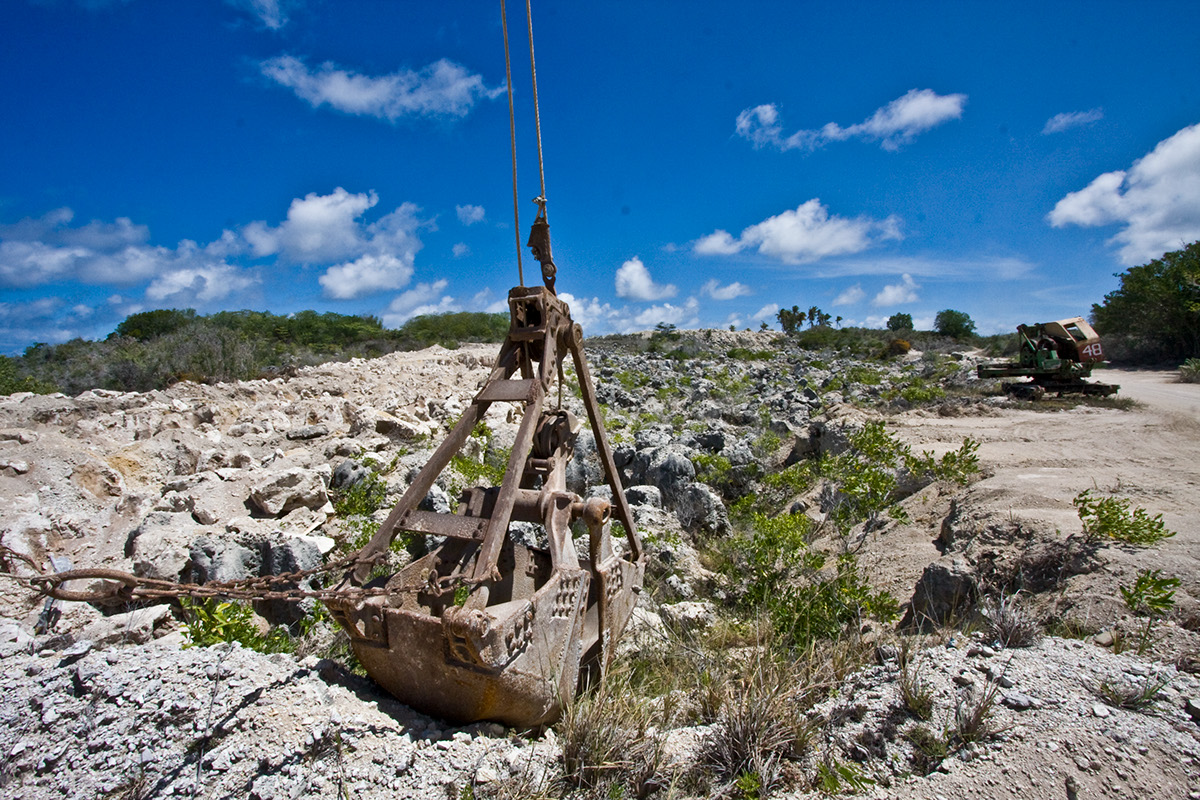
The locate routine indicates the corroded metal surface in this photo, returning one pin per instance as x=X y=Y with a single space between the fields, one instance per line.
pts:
x=487 y=626
x=1056 y=357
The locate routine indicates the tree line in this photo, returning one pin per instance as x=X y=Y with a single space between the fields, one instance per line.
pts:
x=153 y=349
x=1154 y=315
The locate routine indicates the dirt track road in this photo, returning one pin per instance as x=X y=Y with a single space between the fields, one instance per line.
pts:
x=1037 y=461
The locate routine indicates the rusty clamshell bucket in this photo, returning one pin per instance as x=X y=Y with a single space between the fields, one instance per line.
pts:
x=487 y=626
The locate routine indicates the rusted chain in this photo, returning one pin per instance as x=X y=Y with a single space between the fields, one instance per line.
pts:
x=124 y=587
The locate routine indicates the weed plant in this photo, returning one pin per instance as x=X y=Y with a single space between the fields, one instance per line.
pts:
x=973 y=715
x=1151 y=596
x=1111 y=518
x=213 y=621
x=1122 y=693
x=1189 y=371
x=1008 y=623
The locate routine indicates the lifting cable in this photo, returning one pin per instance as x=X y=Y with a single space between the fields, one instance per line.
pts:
x=512 y=135
x=544 y=254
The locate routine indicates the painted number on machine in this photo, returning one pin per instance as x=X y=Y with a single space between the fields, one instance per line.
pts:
x=1092 y=352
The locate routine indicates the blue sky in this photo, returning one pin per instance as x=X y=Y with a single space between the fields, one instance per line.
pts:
x=705 y=163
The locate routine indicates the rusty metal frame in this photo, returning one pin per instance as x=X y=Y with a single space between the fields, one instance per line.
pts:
x=532 y=620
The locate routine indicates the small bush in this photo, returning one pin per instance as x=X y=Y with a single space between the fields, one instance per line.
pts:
x=915 y=690
x=896 y=348
x=929 y=749
x=606 y=739
x=1110 y=518
x=1008 y=623
x=1189 y=371
x=1122 y=693
x=746 y=354
x=973 y=715
x=1150 y=596
x=755 y=730
x=213 y=621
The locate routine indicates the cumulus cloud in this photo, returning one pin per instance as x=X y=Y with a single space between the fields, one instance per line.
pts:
x=461 y=250
x=893 y=125
x=441 y=89
x=718 y=292
x=683 y=316
x=768 y=312
x=897 y=293
x=592 y=314
x=1157 y=200
x=328 y=228
x=805 y=234
x=469 y=215
x=373 y=272
x=424 y=298
x=318 y=228
x=200 y=283
x=1072 y=119
x=850 y=296
x=634 y=283
x=46 y=250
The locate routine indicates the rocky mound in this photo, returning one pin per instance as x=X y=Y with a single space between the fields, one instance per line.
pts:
x=202 y=483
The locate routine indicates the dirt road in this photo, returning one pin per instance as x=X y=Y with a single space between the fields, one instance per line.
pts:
x=1037 y=461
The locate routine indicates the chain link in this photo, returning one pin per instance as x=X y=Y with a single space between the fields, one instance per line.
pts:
x=123 y=587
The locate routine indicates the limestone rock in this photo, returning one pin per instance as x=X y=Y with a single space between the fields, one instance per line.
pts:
x=288 y=489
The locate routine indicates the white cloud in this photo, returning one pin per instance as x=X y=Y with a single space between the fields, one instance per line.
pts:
x=461 y=250
x=273 y=14
x=717 y=243
x=634 y=282
x=46 y=250
x=484 y=301
x=328 y=228
x=683 y=316
x=198 y=284
x=469 y=215
x=893 y=125
x=769 y=312
x=897 y=293
x=1072 y=119
x=805 y=234
x=718 y=292
x=850 y=296
x=1157 y=200
x=441 y=89
x=593 y=315
x=373 y=272
x=318 y=228
x=421 y=299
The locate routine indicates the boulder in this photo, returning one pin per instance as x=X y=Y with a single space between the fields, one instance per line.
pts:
x=132 y=627
x=699 y=508
x=282 y=491
x=160 y=546
x=946 y=587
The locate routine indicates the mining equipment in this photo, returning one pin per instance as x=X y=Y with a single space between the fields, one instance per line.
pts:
x=489 y=625
x=1056 y=357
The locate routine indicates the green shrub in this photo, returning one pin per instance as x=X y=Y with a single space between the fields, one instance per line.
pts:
x=746 y=354
x=788 y=581
x=1110 y=518
x=1189 y=371
x=213 y=621
x=1151 y=596
x=12 y=381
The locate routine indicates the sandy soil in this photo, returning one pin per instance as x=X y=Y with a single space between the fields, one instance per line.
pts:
x=1035 y=462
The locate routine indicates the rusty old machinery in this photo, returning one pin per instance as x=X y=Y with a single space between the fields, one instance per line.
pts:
x=1056 y=357
x=486 y=625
